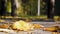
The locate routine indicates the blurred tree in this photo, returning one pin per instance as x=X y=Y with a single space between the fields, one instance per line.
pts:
x=50 y=9
x=9 y=6
x=24 y=5
x=3 y=7
x=57 y=8
x=34 y=7
x=13 y=8
x=30 y=7
x=43 y=7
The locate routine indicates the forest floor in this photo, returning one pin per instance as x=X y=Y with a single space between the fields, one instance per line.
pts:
x=38 y=20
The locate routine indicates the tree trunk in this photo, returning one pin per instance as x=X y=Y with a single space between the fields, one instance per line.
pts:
x=13 y=8
x=3 y=7
x=50 y=9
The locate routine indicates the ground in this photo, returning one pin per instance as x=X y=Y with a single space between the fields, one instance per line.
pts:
x=44 y=23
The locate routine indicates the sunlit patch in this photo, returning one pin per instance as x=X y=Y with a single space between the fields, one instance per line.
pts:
x=24 y=26
x=21 y=25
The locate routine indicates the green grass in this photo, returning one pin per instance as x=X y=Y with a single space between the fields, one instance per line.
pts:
x=42 y=17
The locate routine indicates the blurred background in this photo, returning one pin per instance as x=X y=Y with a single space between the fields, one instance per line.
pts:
x=30 y=8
